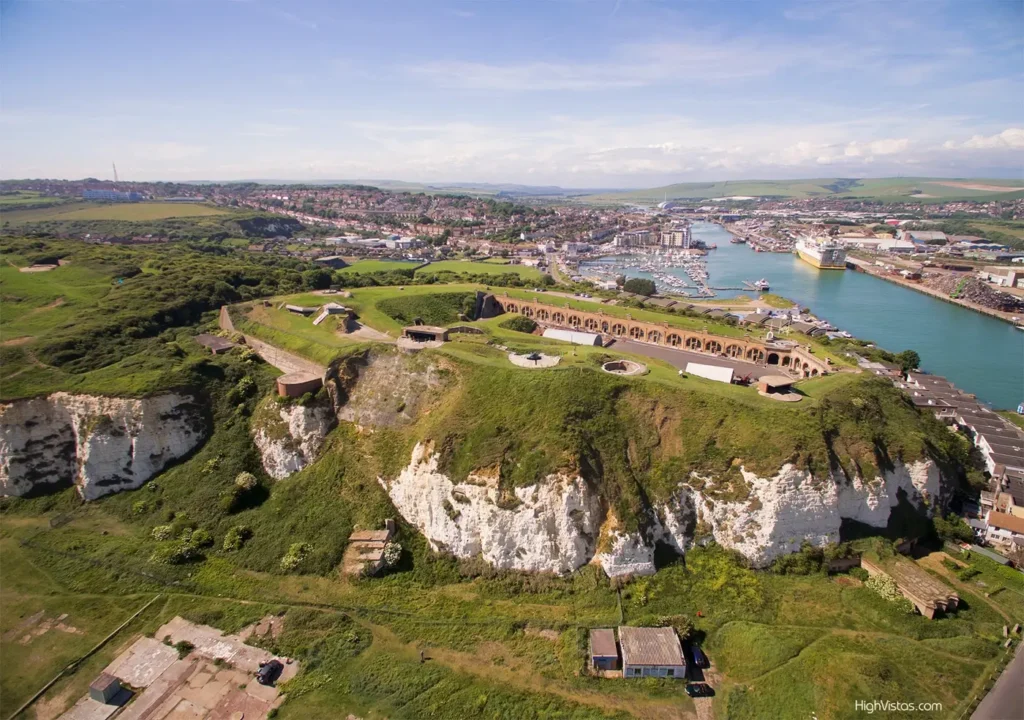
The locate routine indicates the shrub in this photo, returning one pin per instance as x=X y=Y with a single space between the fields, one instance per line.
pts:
x=184 y=647
x=245 y=481
x=859 y=573
x=519 y=324
x=163 y=532
x=236 y=537
x=295 y=555
x=887 y=588
x=201 y=538
x=392 y=554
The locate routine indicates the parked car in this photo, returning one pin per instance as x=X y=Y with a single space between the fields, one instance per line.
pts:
x=699 y=658
x=269 y=672
x=700 y=690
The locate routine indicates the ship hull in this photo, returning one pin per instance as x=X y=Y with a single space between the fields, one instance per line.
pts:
x=816 y=262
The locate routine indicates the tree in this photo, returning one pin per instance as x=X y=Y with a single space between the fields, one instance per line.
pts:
x=953 y=528
x=908 y=360
x=640 y=286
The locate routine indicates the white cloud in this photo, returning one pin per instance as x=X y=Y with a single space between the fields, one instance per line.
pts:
x=1010 y=139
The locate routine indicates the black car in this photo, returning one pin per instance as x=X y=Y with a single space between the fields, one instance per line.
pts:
x=269 y=672
x=700 y=690
x=699 y=658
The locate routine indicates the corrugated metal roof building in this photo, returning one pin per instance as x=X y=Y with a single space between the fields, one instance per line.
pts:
x=574 y=337
x=651 y=652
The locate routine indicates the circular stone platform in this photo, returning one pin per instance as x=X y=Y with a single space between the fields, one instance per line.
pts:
x=534 y=360
x=624 y=367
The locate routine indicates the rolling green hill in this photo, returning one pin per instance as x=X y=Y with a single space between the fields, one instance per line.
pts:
x=892 y=189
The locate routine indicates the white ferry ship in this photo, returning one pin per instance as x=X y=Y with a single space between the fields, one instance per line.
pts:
x=823 y=254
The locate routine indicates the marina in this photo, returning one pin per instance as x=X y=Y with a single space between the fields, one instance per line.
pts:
x=946 y=336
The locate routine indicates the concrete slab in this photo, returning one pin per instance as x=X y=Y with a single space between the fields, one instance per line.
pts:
x=143 y=662
x=88 y=709
x=212 y=643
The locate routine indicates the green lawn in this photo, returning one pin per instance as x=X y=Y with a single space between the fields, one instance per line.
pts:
x=25 y=197
x=137 y=212
x=480 y=268
x=375 y=266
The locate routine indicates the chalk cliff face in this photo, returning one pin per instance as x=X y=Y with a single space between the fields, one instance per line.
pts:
x=555 y=525
x=100 y=444
x=290 y=437
x=551 y=526
x=784 y=511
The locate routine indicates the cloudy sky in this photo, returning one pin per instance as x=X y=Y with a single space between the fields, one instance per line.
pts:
x=580 y=93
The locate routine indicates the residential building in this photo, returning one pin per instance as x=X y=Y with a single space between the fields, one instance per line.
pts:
x=1004 y=529
x=651 y=652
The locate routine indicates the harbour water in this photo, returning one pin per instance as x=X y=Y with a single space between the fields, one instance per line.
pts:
x=980 y=354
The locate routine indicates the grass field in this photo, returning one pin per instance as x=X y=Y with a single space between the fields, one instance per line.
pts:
x=480 y=268
x=907 y=189
x=505 y=646
x=132 y=212
x=375 y=266
x=24 y=197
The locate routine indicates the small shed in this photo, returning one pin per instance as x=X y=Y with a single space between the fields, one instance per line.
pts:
x=425 y=333
x=104 y=688
x=651 y=652
x=604 y=651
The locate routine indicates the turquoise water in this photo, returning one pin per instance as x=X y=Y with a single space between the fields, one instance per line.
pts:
x=981 y=355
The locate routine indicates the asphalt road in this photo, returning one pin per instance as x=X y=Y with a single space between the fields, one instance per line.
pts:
x=1006 y=700
x=679 y=358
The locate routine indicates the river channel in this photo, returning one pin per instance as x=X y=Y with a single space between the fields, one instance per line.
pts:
x=980 y=354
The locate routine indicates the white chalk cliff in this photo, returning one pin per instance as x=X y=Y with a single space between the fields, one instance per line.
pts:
x=784 y=511
x=100 y=444
x=290 y=437
x=552 y=527
x=555 y=524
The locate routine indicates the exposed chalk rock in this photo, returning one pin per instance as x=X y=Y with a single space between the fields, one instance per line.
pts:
x=100 y=444
x=793 y=507
x=290 y=437
x=553 y=525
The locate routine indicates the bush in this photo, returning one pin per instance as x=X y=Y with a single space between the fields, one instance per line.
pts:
x=236 y=537
x=519 y=324
x=245 y=481
x=163 y=532
x=184 y=647
x=392 y=554
x=887 y=588
x=859 y=573
x=296 y=554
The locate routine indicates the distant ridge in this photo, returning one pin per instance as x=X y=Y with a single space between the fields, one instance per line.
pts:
x=887 y=189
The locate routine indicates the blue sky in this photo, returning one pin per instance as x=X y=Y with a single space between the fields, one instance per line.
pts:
x=582 y=93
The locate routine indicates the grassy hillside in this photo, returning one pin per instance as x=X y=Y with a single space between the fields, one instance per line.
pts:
x=131 y=212
x=892 y=189
x=499 y=644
